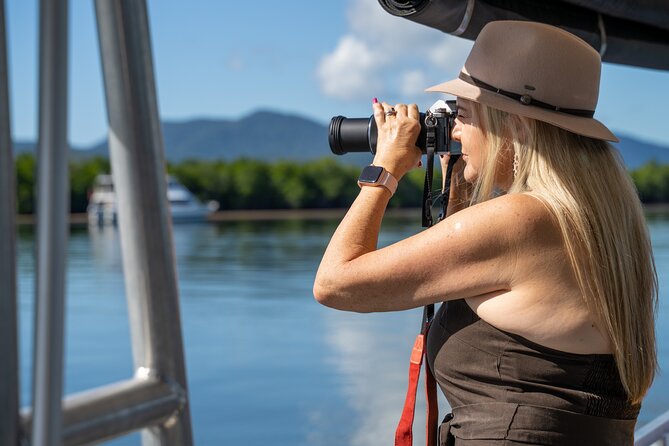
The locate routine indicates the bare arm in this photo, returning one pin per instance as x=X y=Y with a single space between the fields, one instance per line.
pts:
x=471 y=253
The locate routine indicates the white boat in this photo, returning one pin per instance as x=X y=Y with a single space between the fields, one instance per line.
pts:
x=184 y=206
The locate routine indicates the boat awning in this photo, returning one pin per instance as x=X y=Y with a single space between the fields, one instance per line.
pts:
x=629 y=32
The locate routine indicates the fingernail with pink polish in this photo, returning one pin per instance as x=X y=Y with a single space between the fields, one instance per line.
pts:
x=375 y=101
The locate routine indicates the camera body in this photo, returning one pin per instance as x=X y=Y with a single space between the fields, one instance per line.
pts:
x=360 y=134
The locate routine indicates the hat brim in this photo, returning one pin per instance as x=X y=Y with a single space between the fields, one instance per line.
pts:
x=576 y=124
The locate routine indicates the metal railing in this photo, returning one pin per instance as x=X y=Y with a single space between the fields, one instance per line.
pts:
x=156 y=398
x=9 y=365
x=655 y=433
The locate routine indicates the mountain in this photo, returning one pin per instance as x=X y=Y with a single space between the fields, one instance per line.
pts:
x=270 y=136
x=636 y=153
x=23 y=147
x=263 y=135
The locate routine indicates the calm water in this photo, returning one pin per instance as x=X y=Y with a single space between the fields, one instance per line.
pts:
x=265 y=363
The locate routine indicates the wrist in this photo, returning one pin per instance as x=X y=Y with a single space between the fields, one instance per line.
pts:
x=378 y=176
x=394 y=169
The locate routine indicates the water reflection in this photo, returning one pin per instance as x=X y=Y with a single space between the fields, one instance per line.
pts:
x=105 y=246
x=372 y=353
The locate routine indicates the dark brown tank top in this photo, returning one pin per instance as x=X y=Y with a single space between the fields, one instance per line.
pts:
x=504 y=389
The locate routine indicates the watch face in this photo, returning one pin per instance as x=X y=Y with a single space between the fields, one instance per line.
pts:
x=370 y=174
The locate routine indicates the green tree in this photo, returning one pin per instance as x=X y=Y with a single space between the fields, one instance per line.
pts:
x=293 y=185
x=335 y=184
x=25 y=183
x=652 y=182
x=250 y=184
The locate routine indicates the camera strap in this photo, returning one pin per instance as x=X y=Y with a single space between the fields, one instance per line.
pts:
x=430 y=147
x=446 y=193
x=404 y=432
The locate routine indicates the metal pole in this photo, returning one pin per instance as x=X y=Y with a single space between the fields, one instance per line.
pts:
x=138 y=169
x=114 y=410
x=9 y=365
x=655 y=431
x=52 y=224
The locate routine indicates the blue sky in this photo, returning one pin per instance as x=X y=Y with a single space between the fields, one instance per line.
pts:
x=222 y=59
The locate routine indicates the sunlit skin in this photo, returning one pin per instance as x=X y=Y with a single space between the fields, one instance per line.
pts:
x=468 y=130
x=505 y=256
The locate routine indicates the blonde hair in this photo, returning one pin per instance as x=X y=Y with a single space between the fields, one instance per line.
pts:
x=584 y=184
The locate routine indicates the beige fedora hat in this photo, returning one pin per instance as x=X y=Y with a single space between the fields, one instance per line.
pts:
x=533 y=70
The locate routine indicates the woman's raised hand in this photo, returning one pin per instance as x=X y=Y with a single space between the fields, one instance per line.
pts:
x=398 y=128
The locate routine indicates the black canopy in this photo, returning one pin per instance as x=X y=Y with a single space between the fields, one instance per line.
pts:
x=624 y=31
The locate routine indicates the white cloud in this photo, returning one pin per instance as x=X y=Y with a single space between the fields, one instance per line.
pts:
x=347 y=71
x=390 y=56
x=413 y=83
x=449 y=54
x=388 y=33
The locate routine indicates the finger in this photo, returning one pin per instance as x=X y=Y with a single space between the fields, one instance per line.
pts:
x=401 y=109
x=388 y=109
x=379 y=114
x=413 y=111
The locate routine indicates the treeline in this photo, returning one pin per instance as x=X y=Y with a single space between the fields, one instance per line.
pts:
x=82 y=176
x=652 y=182
x=254 y=184
x=239 y=184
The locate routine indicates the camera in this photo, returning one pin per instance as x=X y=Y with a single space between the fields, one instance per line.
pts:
x=359 y=134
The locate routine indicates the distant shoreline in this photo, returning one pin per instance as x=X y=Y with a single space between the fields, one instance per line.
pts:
x=298 y=214
x=252 y=215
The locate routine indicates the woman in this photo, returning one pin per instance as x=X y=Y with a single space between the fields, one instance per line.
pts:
x=547 y=331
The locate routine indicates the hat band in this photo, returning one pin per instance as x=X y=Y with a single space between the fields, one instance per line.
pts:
x=526 y=99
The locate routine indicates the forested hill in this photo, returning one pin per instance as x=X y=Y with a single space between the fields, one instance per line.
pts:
x=637 y=153
x=270 y=136
x=263 y=135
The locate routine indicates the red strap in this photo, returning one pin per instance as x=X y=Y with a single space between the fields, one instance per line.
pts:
x=404 y=433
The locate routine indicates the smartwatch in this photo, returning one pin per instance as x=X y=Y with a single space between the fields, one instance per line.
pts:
x=377 y=176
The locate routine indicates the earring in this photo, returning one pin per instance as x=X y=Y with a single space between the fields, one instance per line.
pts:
x=516 y=162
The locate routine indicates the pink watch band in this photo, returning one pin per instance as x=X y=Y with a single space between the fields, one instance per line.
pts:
x=385 y=179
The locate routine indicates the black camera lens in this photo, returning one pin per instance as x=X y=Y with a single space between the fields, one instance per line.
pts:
x=352 y=135
x=359 y=135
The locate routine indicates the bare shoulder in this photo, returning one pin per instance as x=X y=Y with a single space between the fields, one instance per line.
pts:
x=517 y=218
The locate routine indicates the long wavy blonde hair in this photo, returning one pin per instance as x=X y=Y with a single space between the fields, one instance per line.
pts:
x=584 y=184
